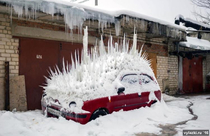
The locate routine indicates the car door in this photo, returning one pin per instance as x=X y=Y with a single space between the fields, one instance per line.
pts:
x=136 y=90
x=119 y=101
x=132 y=89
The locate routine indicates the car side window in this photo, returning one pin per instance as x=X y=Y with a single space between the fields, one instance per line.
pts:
x=130 y=79
x=145 y=79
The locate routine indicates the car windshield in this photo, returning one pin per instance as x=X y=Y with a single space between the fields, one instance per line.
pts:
x=136 y=82
x=130 y=82
x=130 y=79
x=144 y=79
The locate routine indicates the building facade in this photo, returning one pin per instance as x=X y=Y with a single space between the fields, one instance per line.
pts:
x=32 y=46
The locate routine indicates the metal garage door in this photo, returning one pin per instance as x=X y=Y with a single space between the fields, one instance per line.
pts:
x=192 y=75
x=36 y=56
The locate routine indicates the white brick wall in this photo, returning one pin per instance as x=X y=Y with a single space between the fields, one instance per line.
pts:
x=173 y=73
x=8 y=52
x=162 y=70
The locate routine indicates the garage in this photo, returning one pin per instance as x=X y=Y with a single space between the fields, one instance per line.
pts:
x=36 y=57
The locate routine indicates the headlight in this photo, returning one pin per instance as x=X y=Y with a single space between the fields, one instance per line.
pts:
x=72 y=104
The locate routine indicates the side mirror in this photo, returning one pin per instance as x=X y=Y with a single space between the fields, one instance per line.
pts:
x=120 y=90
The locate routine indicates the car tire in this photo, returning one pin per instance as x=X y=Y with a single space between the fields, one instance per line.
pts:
x=98 y=113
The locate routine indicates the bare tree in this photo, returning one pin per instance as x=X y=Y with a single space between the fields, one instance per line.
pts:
x=79 y=1
x=205 y=17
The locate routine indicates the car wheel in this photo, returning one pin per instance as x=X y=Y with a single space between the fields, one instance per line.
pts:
x=98 y=113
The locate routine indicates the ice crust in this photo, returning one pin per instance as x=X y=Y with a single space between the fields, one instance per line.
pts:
x=98 y=74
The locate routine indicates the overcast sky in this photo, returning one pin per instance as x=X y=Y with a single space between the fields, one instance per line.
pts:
x=165 y=10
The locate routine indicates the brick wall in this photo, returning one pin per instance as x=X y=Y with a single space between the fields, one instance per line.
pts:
x=162 y=72
x=173 y=73
x=8 y=52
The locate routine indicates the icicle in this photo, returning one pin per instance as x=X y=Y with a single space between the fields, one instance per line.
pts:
x=76 y=60
x=102 y=48
x=64 y=68
x=112 y=47
x=133 y=49
x=127 y=19
x=117 y=28
x=96 y=43
x=140 y=53
x=85 y=45
x=72 y=63
x=127 y=47
x=102 y=27
x=116 y=47
x=124 y=44
x=18 y=9
x=109 y=50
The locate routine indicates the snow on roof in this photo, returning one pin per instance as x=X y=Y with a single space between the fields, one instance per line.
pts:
x=198 y=26
x=195 y=43
x=162 y=9
x=75 y=14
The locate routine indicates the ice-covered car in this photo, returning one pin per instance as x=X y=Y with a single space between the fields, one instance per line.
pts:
x=122 y=100
x=101 y=83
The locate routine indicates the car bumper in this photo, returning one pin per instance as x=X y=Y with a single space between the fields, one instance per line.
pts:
x=52 y=111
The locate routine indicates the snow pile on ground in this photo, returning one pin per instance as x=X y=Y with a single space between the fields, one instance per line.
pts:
x=122 y=123
x=99 y=73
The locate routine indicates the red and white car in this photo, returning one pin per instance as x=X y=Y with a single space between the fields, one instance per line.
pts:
x=122 y=100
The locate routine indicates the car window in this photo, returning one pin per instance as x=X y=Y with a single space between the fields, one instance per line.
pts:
x=130 y=79
x=145 y=79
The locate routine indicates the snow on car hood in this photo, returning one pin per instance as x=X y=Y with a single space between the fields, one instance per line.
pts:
x=98 y=73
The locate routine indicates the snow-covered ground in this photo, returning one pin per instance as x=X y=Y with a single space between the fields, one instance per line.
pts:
x=201 y=108
x=122 y=123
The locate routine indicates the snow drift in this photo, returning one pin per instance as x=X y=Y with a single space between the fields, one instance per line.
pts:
x=98 y=73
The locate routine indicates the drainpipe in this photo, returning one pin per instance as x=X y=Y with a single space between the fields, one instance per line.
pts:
x=6 y=86
x=177 y=47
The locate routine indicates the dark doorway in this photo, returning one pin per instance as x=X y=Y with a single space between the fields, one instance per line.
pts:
x=192 y=75
x=36 y=57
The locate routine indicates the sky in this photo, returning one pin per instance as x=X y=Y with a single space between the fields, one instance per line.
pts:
x=165 y=10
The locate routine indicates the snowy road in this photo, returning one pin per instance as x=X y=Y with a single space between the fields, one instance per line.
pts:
x=129 y=123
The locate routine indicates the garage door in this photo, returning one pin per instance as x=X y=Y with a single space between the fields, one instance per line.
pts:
x=192 y=75
x=36 y=57
x=153 y=58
